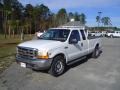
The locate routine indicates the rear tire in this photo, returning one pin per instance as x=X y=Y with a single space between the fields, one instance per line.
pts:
x=111 y=36
x=96 y=52
x=58 y=66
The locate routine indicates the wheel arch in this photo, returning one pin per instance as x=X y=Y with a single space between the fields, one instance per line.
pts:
x=61 y=54
x=97 y=45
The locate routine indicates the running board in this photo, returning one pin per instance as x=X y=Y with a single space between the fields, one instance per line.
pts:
x=76 y=60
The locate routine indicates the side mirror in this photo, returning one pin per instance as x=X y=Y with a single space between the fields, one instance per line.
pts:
x=73 y=41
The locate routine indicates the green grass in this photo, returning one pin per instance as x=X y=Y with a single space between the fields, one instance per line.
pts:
x=8 y=50
x=15 y=39
x=7 y=54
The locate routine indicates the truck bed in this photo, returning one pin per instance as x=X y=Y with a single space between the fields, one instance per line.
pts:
x=93 y=37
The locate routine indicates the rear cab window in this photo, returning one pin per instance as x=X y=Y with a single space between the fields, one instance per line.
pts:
x=83 y=34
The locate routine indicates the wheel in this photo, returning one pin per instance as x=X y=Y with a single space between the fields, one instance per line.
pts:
x=96 y=52
x=111 y=36
x=58 y=66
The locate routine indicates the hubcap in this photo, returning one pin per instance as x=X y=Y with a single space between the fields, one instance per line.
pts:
x=58 y=66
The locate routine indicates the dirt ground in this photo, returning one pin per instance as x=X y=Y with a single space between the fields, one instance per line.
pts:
x=102 y=73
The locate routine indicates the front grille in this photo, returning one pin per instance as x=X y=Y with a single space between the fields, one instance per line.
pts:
x=26 y=52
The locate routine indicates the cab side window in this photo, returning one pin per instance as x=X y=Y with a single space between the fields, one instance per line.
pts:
x=83 y=34
x=75 y=35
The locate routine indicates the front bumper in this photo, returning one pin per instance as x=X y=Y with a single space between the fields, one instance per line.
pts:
x=38 y=64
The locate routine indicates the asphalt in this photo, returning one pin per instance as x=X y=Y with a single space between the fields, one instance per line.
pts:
x=102 y=73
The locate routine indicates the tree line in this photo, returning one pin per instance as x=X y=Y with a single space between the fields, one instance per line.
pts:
x=17 y=19
x=106 y=21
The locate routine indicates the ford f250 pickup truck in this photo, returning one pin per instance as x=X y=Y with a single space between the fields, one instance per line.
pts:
x=57 y=48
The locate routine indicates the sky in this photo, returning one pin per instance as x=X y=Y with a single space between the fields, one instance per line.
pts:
x=90 y=8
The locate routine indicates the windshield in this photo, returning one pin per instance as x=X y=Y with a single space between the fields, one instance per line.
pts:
x=56 y=34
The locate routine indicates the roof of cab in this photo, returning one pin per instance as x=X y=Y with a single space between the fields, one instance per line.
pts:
x=72 y=26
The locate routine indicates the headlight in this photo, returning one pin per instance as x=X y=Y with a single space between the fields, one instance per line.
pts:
x=43 y=55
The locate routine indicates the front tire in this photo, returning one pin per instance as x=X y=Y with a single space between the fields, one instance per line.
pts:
x=58 y=66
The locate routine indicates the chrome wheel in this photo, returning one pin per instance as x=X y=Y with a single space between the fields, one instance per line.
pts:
x=58 y=66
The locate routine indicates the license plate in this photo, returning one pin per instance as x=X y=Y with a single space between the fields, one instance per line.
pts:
x=23 y=65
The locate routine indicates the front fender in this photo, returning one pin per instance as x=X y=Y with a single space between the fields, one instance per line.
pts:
x=57 y=51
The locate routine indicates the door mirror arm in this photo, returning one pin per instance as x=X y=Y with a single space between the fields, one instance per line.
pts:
x=73 y=41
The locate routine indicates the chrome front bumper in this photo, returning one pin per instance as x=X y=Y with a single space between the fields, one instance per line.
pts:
x=38 y=64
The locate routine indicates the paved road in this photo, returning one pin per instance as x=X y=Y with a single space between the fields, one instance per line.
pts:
x=95 y=74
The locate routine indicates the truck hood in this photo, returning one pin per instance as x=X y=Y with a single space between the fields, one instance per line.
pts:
x=41 y=44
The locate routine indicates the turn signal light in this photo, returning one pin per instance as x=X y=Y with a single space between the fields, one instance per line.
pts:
x=43 y=57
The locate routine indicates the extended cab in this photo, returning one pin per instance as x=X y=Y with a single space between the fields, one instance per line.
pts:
x=57 y=48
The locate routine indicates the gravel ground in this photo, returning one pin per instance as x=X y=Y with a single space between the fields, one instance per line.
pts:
x=92 y=74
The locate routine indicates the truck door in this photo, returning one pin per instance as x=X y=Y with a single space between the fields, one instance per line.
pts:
x=84 y=42
x=74 y=50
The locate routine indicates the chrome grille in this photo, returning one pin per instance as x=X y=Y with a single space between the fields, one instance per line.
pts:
x=27 y=52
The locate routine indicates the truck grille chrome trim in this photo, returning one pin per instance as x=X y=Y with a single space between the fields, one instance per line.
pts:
x=25 y=52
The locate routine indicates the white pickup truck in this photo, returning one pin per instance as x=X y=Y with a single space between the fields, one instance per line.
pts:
x=57 y=48
x=113 y=34
x=98 y=34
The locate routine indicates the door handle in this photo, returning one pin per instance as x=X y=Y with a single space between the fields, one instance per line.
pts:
x=66 y=47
